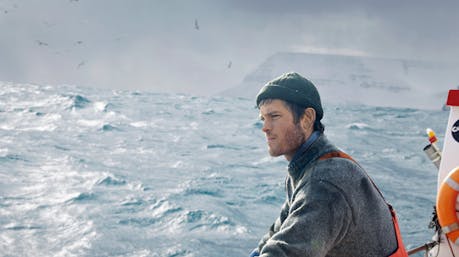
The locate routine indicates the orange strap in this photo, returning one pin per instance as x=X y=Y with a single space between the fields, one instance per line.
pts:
x=336 y=154
x=400 y=251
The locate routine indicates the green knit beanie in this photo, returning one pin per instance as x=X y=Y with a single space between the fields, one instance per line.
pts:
x=292 y=87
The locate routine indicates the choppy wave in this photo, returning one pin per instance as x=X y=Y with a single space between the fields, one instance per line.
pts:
x=78 y=101
x=91 y=172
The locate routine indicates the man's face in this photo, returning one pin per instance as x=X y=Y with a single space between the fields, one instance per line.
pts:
x=284 y=137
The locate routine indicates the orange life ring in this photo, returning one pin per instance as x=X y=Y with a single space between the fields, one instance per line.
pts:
x=446 y=205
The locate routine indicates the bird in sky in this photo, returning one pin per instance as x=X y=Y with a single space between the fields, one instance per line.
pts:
x=81 y=64
x=41 y=43
x=196 y=25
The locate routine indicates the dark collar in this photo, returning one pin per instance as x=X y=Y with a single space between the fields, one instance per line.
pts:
x=311 y=150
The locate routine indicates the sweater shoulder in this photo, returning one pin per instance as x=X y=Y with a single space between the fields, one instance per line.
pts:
x=337 y=171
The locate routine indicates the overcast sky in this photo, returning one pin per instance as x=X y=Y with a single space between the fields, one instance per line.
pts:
x=157 y=45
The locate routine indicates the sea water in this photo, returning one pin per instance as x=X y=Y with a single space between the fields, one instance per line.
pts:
x=97 y=172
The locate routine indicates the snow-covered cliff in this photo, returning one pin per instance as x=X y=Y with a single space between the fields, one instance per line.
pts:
x=365 y=80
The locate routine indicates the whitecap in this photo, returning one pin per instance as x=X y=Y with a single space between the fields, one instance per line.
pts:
x=163 y=208
x=268 y=159
x=176 y=251
x=177 y=164
x=139 y=124
x=17 y=226
x=7 y=127
x=194 y=125
x=176 y=138
x=30 y=122
x=110 y=180
x=357 y=126
x=100 y=106
x=132 y=202
x=91 y=123
x=389 y=150
x=141 y=253
x=49 y=127
x=4 y=152
x=82 y=197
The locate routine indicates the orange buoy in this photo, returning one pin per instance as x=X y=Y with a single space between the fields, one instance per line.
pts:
x=446 y=205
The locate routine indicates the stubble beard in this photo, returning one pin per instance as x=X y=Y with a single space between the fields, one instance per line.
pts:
x=294 y=138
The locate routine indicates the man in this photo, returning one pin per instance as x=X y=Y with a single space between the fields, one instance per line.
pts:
x=332 y=206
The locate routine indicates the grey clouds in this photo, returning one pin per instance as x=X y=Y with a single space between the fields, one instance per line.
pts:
x=155 y=45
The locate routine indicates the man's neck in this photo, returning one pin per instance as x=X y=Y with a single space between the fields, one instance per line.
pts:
x=303 y=148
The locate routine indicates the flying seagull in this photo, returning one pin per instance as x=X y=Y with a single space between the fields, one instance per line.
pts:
x=80 y=64
x=41 y=43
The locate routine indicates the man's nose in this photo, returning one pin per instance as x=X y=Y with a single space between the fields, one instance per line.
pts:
x=266 y=126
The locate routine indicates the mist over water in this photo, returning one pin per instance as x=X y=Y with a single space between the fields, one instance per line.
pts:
x=93 y=172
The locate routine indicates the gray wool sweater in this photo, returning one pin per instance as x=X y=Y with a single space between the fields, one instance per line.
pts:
x=332 y=209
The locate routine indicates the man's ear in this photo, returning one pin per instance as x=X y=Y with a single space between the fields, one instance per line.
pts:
x=308 y=118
